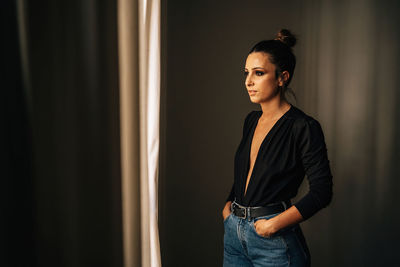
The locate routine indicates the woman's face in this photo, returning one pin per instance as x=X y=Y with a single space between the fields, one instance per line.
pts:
x=261 y=81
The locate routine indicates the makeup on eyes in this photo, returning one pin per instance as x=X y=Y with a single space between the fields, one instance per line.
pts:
x=258 y=73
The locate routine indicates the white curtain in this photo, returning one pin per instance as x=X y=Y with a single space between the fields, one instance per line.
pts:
x=139 y=57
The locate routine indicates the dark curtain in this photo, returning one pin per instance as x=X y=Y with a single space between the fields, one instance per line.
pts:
x=61 y=195
x=16 y=189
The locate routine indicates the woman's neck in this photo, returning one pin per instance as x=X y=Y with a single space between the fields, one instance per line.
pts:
x=274 y=109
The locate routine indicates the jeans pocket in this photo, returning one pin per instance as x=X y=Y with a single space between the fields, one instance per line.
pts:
x=255 y=231
x=227 y=218
x=275 y=240
x=266 y=217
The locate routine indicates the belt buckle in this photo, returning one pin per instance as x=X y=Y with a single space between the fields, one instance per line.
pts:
x=245 y=211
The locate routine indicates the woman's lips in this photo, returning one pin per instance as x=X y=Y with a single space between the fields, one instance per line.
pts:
x=252 y=92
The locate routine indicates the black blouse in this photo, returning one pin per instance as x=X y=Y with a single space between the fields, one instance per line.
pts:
x=293 y=148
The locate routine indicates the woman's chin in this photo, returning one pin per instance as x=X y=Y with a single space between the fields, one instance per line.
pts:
x=255 y=100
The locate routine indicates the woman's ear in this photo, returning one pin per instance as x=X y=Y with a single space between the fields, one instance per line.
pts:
x=283 y=78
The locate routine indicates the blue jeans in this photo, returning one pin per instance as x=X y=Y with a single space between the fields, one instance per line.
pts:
x=243 y=246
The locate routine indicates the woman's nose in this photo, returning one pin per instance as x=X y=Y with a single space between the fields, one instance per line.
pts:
x=249 y=81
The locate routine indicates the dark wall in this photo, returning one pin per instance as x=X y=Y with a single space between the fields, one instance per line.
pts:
x=346 y=77
x=205 y=49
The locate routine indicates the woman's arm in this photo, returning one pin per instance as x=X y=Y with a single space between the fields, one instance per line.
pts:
x=226 y=211
x=313 y=154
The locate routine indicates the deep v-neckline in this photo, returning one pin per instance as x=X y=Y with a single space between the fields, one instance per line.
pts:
x=254 y=126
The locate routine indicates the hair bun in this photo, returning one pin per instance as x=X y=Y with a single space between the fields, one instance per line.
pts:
x=286 y=37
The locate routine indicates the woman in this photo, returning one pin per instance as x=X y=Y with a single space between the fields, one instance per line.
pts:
x=280 y=145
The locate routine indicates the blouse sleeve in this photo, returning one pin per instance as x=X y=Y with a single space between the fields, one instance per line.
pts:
x=313 y=155
x=231 y=196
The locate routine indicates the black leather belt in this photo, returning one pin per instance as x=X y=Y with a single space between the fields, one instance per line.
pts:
x=253 y=212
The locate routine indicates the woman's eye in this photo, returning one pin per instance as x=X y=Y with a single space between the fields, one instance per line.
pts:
x=259 y=73
x=245 y=73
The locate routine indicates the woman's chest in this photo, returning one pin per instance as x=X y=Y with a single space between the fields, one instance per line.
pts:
x=271 y=145
x=260 y=134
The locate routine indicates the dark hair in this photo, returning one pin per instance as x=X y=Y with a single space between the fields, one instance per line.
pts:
x=280 y=53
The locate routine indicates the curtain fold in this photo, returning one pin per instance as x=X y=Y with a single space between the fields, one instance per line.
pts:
x=70 y=193
x=139 y=55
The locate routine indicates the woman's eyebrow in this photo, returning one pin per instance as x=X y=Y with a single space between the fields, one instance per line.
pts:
x=256 y=68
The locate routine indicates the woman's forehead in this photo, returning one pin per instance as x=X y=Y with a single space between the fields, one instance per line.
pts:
x=258 y=59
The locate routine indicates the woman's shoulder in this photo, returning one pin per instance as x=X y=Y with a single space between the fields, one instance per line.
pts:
x=303 y=121
x=299 y=116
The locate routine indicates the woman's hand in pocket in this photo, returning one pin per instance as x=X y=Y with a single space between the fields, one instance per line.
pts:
x=227 y=210
x=265 y=227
